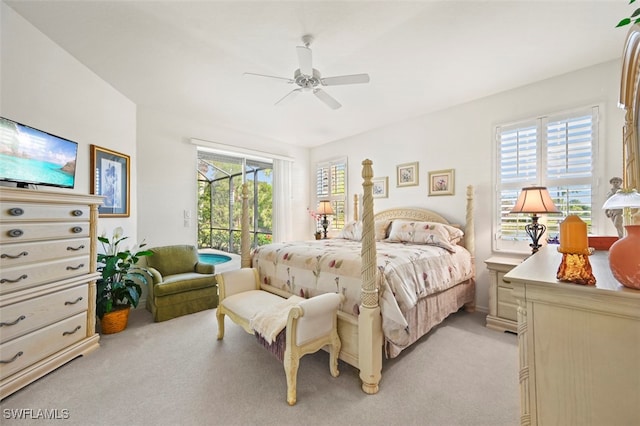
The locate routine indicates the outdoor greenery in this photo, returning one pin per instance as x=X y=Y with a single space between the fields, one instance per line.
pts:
x=220 y=205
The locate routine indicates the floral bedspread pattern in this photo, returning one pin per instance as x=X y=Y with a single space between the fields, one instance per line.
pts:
x=408 y=272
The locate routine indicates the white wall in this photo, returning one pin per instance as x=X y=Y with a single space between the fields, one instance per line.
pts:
x=44 y=87
x=167 y=166
x=461 y=138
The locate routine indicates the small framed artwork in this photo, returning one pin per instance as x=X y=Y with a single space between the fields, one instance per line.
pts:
x=407 y=174
x=441 y=182
x=380 y=187
x=110 y=178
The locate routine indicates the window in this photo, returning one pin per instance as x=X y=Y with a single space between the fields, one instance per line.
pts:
x=331 y=181
x=553 y=151
x=220 y=200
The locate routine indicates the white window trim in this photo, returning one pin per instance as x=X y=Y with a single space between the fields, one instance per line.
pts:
x=597 y=220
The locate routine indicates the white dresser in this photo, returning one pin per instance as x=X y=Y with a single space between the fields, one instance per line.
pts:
x=579 y=346
x=47 y=282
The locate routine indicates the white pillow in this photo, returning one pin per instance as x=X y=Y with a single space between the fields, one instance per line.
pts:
x=431 y=233
x=351 y=231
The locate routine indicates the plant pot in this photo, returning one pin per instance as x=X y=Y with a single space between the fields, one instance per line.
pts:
x=115 y=321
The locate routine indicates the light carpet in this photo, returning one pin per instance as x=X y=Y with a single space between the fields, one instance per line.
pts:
x=177 y=373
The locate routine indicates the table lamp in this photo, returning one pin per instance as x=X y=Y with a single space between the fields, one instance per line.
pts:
x=324 y=208
x=624 y=260
x=535 y=199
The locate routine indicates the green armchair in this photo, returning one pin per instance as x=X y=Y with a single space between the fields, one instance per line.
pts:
x=179 y=284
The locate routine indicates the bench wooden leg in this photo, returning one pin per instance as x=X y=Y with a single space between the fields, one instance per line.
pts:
x=334 y=351
x=220 y=317
x=291 y=364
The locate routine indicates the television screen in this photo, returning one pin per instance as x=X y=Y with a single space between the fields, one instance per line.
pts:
x=31 y=156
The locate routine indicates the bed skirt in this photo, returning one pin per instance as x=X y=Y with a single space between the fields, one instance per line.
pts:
x=431 y=311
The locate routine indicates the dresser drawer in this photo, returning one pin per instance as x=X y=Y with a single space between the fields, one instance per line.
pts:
x=31 y=348
x=29 y=275
x=18 y=254
x=33 y=211
x=508 y=311
x=18 y=232
x=24 y=317
x=505 y=294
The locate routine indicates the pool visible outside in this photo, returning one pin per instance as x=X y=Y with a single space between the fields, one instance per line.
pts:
x=213 y=258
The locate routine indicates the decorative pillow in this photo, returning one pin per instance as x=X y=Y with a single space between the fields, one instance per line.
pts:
x=351 y=231
x=431 y=233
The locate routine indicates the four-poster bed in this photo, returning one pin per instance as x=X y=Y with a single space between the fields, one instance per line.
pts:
x=386 y=316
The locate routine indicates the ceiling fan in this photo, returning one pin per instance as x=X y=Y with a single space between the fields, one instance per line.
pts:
x=308 y=79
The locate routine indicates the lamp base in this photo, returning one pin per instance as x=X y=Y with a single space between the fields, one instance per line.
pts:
x=624 y=260
x=575 y=268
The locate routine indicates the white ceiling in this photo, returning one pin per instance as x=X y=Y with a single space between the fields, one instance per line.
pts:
x=188 y=57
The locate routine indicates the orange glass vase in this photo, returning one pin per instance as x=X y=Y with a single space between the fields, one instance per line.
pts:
x=624 y=258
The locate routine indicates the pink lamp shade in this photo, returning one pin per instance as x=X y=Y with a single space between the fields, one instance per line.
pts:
x=325 y=207
x=535 y=199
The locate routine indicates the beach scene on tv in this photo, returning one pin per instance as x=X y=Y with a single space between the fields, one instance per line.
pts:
x=31 y=156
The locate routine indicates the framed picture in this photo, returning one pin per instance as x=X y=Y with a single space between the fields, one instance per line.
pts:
x=441 y=182
x=407 y=174
x=380 y=187
x=110 y=178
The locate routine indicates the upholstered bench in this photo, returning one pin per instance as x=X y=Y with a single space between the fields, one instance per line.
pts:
x=310 y=324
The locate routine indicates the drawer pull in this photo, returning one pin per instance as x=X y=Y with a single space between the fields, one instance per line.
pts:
x=76 y=229
x=14 y=233
x=16 y=211
x=74 y=302
x=76 y=212
x=9 y=256
x=19 y=354
x=506 y=281
x=20 y=318
x=7 y=280
x=75 y=268
x=67 y=333
x=75 y=248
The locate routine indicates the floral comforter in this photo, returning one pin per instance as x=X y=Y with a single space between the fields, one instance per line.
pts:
x=408 y=272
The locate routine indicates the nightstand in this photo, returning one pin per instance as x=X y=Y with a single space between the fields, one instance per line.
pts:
x=503 y=307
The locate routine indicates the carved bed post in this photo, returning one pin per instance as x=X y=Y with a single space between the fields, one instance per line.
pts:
x=369 y=320
x=245 y=241
x=470 y=240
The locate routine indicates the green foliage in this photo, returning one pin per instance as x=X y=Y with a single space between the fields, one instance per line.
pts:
x=118 y=284
x=634 y=18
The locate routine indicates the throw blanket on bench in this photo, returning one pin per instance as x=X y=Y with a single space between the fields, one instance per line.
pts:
x=269 y=322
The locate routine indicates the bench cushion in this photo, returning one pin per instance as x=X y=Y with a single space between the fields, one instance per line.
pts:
x=247 y=303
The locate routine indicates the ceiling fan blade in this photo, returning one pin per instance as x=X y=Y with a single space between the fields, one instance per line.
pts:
x=326 y=98
x=288 y=80
x=304 y=59
x=345 y=79
x=289 y=97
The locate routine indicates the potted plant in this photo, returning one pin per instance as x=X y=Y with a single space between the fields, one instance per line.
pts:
x=118 y=287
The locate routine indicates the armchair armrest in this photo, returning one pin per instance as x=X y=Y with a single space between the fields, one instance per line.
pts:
x=156 y=276
x=237 y=281
x=205 y=268
x=315 y=317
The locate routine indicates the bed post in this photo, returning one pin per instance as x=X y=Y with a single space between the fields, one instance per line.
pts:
x=245 y=241
x=469 y=241
x=355 y=207
x=369 y=320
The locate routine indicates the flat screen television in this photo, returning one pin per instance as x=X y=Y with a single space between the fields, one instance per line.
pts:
x=32 y=156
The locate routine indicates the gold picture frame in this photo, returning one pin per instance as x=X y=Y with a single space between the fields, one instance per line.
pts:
x=380 y=187
x=442 y=182
x=110 y=177
x=407 y=174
